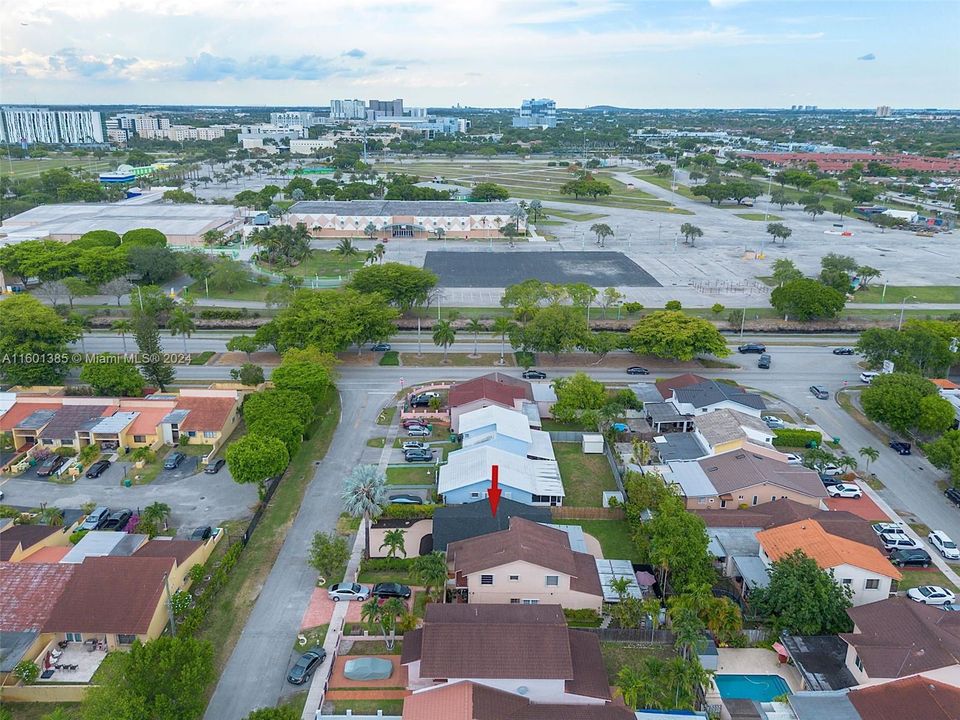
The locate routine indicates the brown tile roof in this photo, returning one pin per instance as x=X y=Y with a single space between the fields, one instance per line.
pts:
x=29 y=592
x=52 y=554
x=828 y=550
x=589 y=669
x=530 y=542
x=738 y=469
x=181 y=550
x=914 y=698
x=898 y=637
x=206 y=413
x=472 y=701
x=23 y=536
x=497 y=387
x=667 y=386
x=494 y=641
x=111 y=595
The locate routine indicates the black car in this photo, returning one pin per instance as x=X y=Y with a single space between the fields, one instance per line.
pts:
x=420 y=401
x=96 y=470
x=757 y=348
x=953 y=495
x=843 y=351
x=412 y=456
x=829 y=480
x=214 y=467
x=304 y=667
x=534 y=375
x=201 y=533
x=173 y=460
x=404 y=499
x=391 y=590
x=764 y=362
x=380 y=347
x=118 y=520
x=902 y=448
x=50 y=465
x=916 y=556
x=637 y=370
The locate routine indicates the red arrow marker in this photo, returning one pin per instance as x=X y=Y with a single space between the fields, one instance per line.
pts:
x=493 y=495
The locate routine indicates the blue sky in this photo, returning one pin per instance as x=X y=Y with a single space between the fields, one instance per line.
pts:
x=683 y=53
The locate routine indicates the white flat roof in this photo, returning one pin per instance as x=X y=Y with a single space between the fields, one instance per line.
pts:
x=511 y=423
x=76 y=219
x=472 y=465
x=691 y=478
x=541 y=445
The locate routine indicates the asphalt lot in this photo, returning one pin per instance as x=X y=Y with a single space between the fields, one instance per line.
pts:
x=489 y=270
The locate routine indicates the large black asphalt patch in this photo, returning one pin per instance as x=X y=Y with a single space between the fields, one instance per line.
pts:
x=496 y=270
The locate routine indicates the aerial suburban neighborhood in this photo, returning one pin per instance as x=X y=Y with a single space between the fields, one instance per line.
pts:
x=462 y=402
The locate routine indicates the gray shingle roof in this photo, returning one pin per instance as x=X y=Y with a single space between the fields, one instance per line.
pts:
x=679 y=446
x=388 y=208
x=459 y=522
x=69 y=419
x=737 y=469
x=711 y=392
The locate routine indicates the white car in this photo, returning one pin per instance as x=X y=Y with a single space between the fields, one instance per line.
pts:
x=773 y=422
x=944 y=545
x=867 y=376
x=898 y=541
x=882 y=528
x=348 y=591
x=845 y=491
x=831 y=470
x=793 y=459
x=414 y=445
x=931 y=595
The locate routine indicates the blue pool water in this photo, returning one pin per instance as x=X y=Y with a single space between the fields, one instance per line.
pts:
x=762 y=688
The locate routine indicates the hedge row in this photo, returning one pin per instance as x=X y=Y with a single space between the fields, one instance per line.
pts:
x=226 y=314
x=408 y=512
x=387 y=564
x=203 y=602
x=796 y=438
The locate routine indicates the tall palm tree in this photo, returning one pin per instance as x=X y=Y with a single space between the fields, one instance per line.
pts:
x=345 y=248
x=379 y=250
x=630 y=686
x=444 y=336
x=181 y=323
x=651 y=608
x=390 y=612
x=502 y=326
x=122 y=327
x=870 y=454
x=365 y=495
x=52 y=516
x=156 y=512
x=431 y=572
x=475 y=325
x=393 y=540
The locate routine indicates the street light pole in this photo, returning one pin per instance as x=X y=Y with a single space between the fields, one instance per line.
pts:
x=902 y=308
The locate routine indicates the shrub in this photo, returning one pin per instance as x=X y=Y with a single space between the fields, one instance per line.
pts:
x=632 y=307
x=196 y=573
x=796 y=438
x=672 y=305
x=525 y=359
x=143 y=453
x=387 y=564
x=77 y=536
x=89 y=453
x=582 y=618
x=227 y=314
x=27 y=671
x=66 y=451
x=408 y=512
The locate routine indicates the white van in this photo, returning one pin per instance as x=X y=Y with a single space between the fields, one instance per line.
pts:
x=867 y=376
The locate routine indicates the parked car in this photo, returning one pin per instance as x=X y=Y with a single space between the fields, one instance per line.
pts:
x=757 y=348
x=348 y=591
x=430 y=394
x=829 y=480
x=944 y=545
x=831 y=470
x=900 y=541
x=950 y=607
x=882 y=528
x=793 y=459
x=773 y=422
x=819 y=392
x=96 y=470
x=902 y=448
x=96 y=519
x=953 y=495
x=763 y=362
x=391 y=590
x=414 y=445
x=214 y=467
x=173 y=460
x=916 y=556
x=202 y=533
x=931 y=595
x=410 y=422
x=118 y=520
x=412 y=456
x=637 y=370
x=302 y=670
x=419 y=401
x=404 y=499
x=418 y=431
x=50 y=465
x=380 y=347
x=845 y=491
x=843 y=351
x=534 y=374
x=867 y=376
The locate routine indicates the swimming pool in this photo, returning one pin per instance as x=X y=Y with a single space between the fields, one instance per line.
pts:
x=762 y=688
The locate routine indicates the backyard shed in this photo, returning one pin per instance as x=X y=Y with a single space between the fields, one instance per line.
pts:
x=592 y=443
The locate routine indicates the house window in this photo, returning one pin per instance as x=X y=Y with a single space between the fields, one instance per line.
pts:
x=723 y=503
x=210 y=433
x=126 y=639
x=846 y=581
x=553 y=580
x=755 y=499
x=739 y=497
x=514 y=601
x=702 y=501
x=47 y=441
x=872 y=584
x=139 y=438
x=859 y=663
x=192 y=433
x=486 y=579
x=531 y=602
x=74 y=637
x=515 y=577
x=474 y=494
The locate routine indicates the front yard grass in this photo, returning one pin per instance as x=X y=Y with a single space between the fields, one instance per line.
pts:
x=896 y=293
x=386 y=415
x=248 y=290
x=914 y=577
x=368 y=707
x=367 y=647
x=585 y=477
x=413 y=475
x=613 y=536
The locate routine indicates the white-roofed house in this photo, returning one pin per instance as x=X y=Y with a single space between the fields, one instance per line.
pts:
x=508 y=430
x=467 y=474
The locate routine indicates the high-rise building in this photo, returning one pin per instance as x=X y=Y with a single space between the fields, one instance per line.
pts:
x=883 y=111
x=41 y=125
x=347 y=110
x=293 y=118
x=145 y=125
x=380 y=108
x=540 y=114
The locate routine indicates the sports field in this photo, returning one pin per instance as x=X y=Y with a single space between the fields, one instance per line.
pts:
x=531 y=180
x=32 y=167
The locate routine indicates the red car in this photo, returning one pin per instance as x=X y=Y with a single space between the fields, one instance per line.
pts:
x=411 y=422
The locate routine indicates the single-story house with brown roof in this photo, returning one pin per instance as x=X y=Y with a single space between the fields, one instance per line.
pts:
x=495 y=389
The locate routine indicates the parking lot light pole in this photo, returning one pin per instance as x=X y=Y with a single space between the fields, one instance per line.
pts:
x=903 y=304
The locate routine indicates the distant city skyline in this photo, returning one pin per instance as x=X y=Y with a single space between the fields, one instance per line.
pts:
x=680 y=54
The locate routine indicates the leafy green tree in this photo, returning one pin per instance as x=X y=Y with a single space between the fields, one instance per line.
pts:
x=153 y=361
x=936 y=416
x=444 y=336
x=281 y=414
x=690 y=233
x=714 y=192
x=307 y=371
x=577 y=395
x=144 y=236
x=895 y=400
x=866 y=274
x=32 y=336
x=557 y=329
x=107 y=376
x=403 y=286
x=196 y=264
x=153 y=264
x=488 y=191
x=100 y=265
x=329 y=553
x=813 y=209
x=602 y=231
x=678 y=544
x=611 y=297
x=780 y=232
x=96 y=238
x=780 y=197
x=807 y=299
x=248 y=374
x=255 y=459
x=802 y=599
x=662 y=170
x=118 y=287
x=243 y=343
x=675 y=335
x=842 y=207
x=228 y=275
x=944 y=453
x=740 y=190
x=431 y=572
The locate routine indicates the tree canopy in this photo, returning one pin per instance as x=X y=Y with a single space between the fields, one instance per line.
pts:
x=807 y=299
x=488 y=191
x=403 y=286
x=899 y=400
x=144 y=236
x=255 y=459
x=307 y=371
x=33 y=342
x=673 y=334
x=109 y=376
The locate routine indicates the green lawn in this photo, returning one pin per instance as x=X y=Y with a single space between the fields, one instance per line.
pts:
x=248 y=290
x=32 y=167
x=368 y=707
x=913 y=577
x=570 y=215
x=896 y=293
x=377 y=442
x=366 y=647
x=386 y=415
x=584 y=477
x=455 y=359
x=414 y=474
x=326 y=263
x=620 y=655
x=759 y=216
x=614 y=537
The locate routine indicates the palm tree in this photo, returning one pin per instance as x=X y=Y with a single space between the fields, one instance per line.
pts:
x=848 y=462
x=536 y=207
x=444 y=336
x=439 y=232
x=365 y=495
x=431 y=572
x=370 y=230
x=345 y=248
x=394 y=542
x=181 y=323
x=651 y=608
x=687 y=630
x=379 y=250
x=121 y=328
x=502 y=326
x=156 y=512
x=390 y=611
x=51 y=516
x=475 y=325
x=724 y=620
x=871 y=454
x=630 y=686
